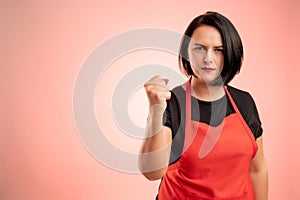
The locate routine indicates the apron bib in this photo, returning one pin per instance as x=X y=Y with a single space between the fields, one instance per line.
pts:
x=215 y=161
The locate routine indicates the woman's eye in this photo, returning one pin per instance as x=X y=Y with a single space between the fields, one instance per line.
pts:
x=219 y=50
x=198 y=48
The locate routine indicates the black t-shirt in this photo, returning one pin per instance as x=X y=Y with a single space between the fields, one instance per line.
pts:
x=211 y=113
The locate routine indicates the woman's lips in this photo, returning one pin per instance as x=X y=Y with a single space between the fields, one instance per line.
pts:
x=208 y=69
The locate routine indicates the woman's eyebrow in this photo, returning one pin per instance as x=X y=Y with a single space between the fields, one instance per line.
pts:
x=198 y=44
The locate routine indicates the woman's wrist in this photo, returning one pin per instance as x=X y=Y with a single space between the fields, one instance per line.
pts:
x=155 y=119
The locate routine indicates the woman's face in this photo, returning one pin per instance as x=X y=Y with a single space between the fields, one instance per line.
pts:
x=206 y=53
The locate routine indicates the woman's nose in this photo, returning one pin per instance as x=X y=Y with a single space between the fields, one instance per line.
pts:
x=208 y=57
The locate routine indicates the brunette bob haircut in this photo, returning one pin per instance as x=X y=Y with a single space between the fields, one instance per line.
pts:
x=232 y=45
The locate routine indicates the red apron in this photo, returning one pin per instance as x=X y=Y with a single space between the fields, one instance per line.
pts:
x=215 y=161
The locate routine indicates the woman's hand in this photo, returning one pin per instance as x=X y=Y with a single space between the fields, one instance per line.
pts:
x=157 y=91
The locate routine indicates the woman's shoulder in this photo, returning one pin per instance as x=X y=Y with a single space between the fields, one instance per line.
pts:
x=239 y=95
x=177 y=98
x=244 y=102
x=178 y=92
x=178 y=89
x=248 y=109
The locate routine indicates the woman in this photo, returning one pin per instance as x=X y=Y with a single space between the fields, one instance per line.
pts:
x=204 y=138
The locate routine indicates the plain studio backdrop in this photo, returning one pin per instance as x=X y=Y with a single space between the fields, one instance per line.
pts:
x=42 y=47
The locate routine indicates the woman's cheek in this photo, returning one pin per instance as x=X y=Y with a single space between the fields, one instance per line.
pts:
x=196 y=62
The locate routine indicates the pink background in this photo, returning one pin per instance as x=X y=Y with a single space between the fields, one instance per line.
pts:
x=43 y=44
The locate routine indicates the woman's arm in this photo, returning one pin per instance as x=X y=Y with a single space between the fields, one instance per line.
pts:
x=155 y=151
x=259 y=173
x=155 y=154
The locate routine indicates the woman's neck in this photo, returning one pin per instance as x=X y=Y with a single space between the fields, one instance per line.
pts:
x=206 y=92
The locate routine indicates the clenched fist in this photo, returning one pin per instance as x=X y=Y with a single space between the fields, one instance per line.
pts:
x=157 y=91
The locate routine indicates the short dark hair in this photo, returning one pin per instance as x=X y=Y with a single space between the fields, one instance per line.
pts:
x=232 y=44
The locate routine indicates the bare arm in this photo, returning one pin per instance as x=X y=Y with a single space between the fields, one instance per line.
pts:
x=259 y=173
x=155 y=154
x=155 y=151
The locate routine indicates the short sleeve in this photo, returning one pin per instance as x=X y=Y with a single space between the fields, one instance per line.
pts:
x=254 y=121
x=167 y=116
x=172 y=113
x=248 y=109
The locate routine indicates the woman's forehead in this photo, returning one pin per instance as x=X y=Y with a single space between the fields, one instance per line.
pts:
x=206 y=36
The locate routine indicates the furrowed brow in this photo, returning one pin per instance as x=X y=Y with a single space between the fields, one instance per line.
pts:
x=198 y=44
x=217 y=47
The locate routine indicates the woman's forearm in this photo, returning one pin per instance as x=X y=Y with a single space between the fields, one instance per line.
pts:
x=155 y=151
x=155 y=154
